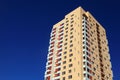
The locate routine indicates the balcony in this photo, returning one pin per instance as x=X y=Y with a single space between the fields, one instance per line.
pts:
x=60 y=31
x=47 y=78
x=56 y=75
x=59 y=46
x=58 y=64
x=49 y=63
x=51 y=50
x=102 y=71
x=53 y=29
x=102 y=75
x=62 y=24
x=53 y=35
x=61 y=35
x=50 y=59
x=58 y=55
x=57 y=60
x=53 y=32
x=60 y=38
x=59 y=51
x=51 y=46
x=49 y=72
x=50 y=54
x=56 y=70
x=61 y=28
x=52 y=43
x=49 y=68
x=52 y=39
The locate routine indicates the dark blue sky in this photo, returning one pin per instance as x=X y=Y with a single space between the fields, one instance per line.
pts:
x=25 y=27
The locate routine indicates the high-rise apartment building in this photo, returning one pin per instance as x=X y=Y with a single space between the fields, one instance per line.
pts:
x=78 y=49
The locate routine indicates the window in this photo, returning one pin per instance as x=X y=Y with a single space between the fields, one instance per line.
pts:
x=70 y=55
x=65 y=44
x=78 y=62
x=71 y=32
x=72 y=21
x=67 y=21
x=74 y=69
x=64 y=62
x=70 y=65
x=65 y=47
x=70 y=71
x=71 y=25
x=64 y=67
x=83 y=29
x=66 y=28
x=63 y=78
x=70 y=50
x=63 y=73
x=70 y=41
x=71 y=29
x=84 y=75
x=71 y=37
x=66 y=35
x=94 y=69
x=83 y=37
x=71 y=45
x=70 y=77
x=65 y=57
x=70 y=60
x=72 y=15
x=71 y=18
x=65 y=52
x=83 y=47
x=65 y=39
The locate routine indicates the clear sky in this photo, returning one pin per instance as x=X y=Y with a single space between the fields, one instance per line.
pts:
x=25 y=27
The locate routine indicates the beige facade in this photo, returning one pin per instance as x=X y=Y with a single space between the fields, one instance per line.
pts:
x=78 y=49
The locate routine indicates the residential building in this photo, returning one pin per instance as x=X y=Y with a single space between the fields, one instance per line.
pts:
x=78 y=49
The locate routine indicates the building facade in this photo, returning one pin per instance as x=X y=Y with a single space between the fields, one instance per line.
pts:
x=78 y=49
